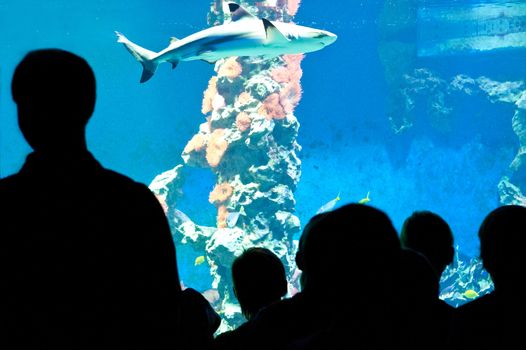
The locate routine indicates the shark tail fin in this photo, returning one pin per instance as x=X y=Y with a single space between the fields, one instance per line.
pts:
x=144 y=56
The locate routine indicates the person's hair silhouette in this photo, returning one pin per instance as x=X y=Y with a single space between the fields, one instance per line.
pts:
x=430 y=235
x=87 y=258
x=493 y=321
x=259 y=279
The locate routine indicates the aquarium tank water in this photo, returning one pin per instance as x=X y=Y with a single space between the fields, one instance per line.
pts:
x=417 y=105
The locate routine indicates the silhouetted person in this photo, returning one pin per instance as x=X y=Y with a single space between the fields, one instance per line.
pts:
x=259 y=280
x=86 y=255
x=429 y=234
x=423 y=326
x=355 y=244
x=497 y=320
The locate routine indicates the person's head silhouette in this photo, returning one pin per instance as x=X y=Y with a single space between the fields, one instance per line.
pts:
x=353 y=239
x=430 y=235
x=55 y=94
x=259 y=279
x=502 y=246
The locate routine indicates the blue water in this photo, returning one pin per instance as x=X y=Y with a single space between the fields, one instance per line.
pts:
x=348 y=144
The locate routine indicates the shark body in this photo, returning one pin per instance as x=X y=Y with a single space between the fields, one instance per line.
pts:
x=244 y=35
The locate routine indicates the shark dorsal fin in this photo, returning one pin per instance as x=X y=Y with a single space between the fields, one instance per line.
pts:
x=273 y=33
x=173 y=39
x=239 y=13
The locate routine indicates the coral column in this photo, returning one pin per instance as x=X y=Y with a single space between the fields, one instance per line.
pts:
x=249 y=141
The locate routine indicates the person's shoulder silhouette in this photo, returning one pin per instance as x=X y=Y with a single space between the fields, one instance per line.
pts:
x=495 y=320
x=87 y=254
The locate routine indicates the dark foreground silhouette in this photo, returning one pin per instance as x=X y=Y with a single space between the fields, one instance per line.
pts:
x=357 y=243
x=259 y=280
x=86 y=255
x=497 y=320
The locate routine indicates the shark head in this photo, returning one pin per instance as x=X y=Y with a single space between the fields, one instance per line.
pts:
x=306 y=39
x=323 y=37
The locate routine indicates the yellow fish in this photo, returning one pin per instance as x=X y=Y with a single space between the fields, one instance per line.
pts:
x=471 y=294
x=329 y=205
x=199 y=260
x=365 y=200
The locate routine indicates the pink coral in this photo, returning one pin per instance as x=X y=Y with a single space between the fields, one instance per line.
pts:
x=243 y=121
x=216 y=147
x=230 y=68
x=281 y=74
x=290 y=96
x=208 y=96
x=271 y=107
x=293 y=6
x=291 y=71
x=221 y=193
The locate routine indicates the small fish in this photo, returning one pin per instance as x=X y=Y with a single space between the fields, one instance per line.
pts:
x=199 y=260
x=329 y=205
x=471 y=294
x=233 y=217
x=365 y=200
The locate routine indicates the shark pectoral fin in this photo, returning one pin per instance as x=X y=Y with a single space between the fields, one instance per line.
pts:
x=208 y=61
x=174 y=63
x=238 y=12
x=274 y=36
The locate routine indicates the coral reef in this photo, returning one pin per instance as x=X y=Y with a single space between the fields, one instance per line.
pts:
x=464 y=280
x=249 y=141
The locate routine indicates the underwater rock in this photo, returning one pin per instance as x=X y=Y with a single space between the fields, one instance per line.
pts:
x=437 y=93
x=261 y=86
x=167 y=184
x=249 y=141
x=464 y=280
x=510 y=194
x=519 y=127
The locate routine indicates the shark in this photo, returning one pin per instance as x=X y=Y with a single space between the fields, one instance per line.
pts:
x=244 y=35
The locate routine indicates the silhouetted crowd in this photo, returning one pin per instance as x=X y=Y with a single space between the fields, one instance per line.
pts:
x=88 y=260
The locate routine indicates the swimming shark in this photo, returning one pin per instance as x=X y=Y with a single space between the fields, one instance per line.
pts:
x=243 y=35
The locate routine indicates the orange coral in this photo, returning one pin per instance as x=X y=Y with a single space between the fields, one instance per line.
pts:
x=222 y=215
x=208 y=96
x=244 y=98
x=197 y=143
x=221 y=193
x=230 y=68
x=293 y=6
x=271 y=107
x=243 y=121
x=216 y=148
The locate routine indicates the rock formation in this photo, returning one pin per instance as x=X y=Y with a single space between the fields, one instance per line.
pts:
x=249 y=141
